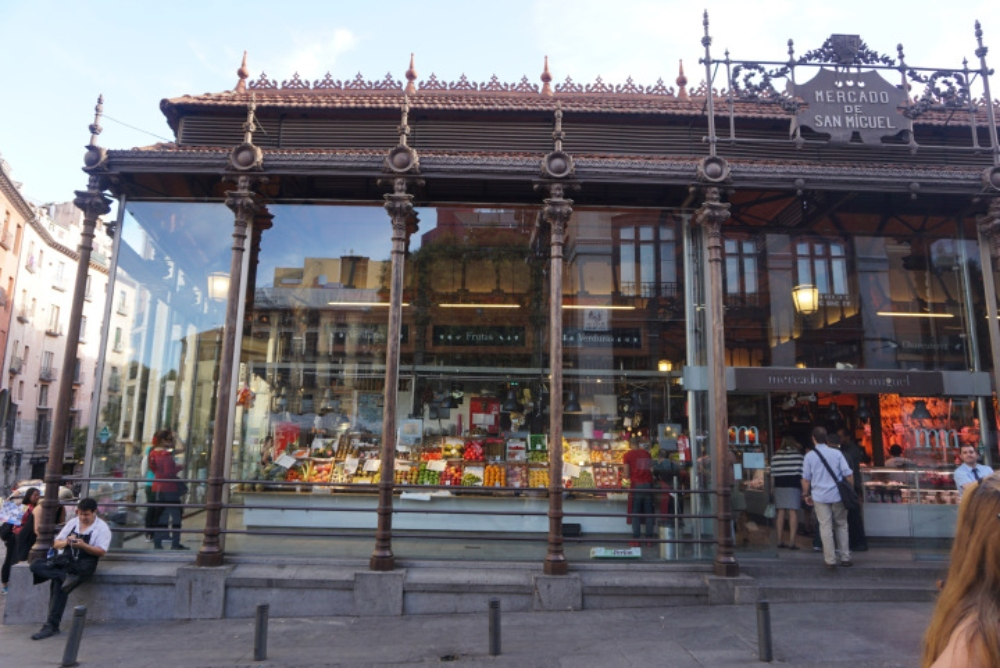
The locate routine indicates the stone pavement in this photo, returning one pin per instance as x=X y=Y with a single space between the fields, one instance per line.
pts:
x=858 y=635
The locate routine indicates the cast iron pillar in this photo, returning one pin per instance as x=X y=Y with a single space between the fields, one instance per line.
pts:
x=403 y=164
x=988 y=227
x=94 y=203
x=557 y=169
x=710 y=217
x=244 y=203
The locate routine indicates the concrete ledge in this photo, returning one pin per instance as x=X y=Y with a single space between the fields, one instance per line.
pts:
x=200 y=593
x=378 y=594
x=723 y=591
x=557 y=592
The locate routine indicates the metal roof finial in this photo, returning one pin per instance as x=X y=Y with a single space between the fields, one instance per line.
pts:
x=682 y=81
x=546 y=79
x=95 y=157
x=243 y=73
x=411 y=76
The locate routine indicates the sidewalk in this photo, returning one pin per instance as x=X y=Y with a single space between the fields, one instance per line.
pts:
x=883 y=635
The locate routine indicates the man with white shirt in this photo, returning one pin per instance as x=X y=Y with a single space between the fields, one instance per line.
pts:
x=970 y=471
x=819 y=489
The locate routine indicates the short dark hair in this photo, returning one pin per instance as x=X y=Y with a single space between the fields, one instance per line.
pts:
x=895 y=450
x=833 y=440
x=819 y=434
x=87 y=505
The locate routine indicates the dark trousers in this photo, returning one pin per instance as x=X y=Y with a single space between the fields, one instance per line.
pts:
x=642 y=504
x=8 y=560
x=167 y=516
x=856 y=529
x=56 y=575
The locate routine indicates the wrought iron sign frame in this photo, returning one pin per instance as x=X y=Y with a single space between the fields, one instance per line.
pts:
x=947 y=90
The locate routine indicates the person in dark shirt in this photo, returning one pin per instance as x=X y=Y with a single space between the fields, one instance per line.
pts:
x=855 y=456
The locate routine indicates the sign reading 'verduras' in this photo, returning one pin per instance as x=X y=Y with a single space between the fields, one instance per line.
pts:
x=840 y=103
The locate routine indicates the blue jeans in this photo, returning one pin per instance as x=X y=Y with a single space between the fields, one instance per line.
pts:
x=165 y=517
x=642 y=504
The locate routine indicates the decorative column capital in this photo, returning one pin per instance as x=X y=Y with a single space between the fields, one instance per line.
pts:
x=243 y=201
x=712 y=213
x=989 y=225
x=92 y=201
x=557 y=209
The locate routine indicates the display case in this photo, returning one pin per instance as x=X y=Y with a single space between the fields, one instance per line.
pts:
x=909 y=502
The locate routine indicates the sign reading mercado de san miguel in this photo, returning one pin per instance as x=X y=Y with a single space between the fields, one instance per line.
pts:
x=842 y=102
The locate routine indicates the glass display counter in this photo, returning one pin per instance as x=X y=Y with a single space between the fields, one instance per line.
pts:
x=909 y=503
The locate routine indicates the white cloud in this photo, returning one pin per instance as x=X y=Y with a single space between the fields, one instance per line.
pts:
x=315 y=54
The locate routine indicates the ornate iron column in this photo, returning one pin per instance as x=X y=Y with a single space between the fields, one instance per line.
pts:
x=714 y=171
x=94 y=203
x=988 y=227
x=710 y=217
x=244 y=204
x=404 y=164
x=557 y=170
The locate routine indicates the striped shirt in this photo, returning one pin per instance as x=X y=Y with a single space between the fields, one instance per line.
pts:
x=786 y=468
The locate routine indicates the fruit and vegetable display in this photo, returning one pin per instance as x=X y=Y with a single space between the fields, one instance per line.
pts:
x=517 y=475
x=478 y=461
x=474 y=452
x=538 y=477
x=495 y=476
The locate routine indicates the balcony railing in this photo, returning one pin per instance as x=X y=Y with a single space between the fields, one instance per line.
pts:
x=118 y=347
x=7 y=240
x=30 y=264
x=48 y=374
x=3 y=297
x=15 y=364
x=115 y=384
x=54 y=329
x=60 y=283
x=78 y=379
x=23 y=315
x=122 y=308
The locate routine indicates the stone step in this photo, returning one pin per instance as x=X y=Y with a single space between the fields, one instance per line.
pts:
x=841 y=587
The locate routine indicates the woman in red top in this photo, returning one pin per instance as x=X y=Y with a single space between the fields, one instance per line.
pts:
x=639 y=473
x=166 y=491
x=22 y=536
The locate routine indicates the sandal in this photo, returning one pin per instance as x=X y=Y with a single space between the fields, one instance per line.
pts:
x=782 y=545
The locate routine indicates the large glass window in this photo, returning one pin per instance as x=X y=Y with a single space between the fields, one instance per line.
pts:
x=163 y=351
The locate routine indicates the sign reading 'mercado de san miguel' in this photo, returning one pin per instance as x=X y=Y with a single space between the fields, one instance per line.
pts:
x=842 y=103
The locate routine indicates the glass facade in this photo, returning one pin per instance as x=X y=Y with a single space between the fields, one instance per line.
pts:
x=846 y=289
x=163 y=340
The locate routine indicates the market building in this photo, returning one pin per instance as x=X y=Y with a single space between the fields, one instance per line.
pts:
x=411 y=312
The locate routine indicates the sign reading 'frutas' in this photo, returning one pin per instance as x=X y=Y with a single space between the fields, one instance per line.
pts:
x=840 y=103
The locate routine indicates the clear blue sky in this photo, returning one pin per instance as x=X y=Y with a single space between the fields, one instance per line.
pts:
x=58 y=56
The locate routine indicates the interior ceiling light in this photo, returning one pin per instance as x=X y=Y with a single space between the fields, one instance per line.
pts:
x=479 y=305
x=594 y=307
x=362 y=304
x=901 y=314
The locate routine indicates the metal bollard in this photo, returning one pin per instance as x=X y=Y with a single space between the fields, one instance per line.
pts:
x=494 y=627
x=764 y=632
x=260 y=633
x=75 y=636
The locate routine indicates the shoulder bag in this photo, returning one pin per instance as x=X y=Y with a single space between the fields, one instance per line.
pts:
x=847 y=494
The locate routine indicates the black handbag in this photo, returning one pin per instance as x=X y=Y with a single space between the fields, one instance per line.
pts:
x=7 y=532
x=847 y=494
x=67 y=559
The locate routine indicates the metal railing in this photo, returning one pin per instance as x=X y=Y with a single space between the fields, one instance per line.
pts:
x=48 y=374
x=680 y=535
x=16 y=363
x=54 y=329
x=7 y=240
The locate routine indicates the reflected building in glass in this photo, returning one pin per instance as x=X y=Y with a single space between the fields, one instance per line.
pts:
x=854 y=287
